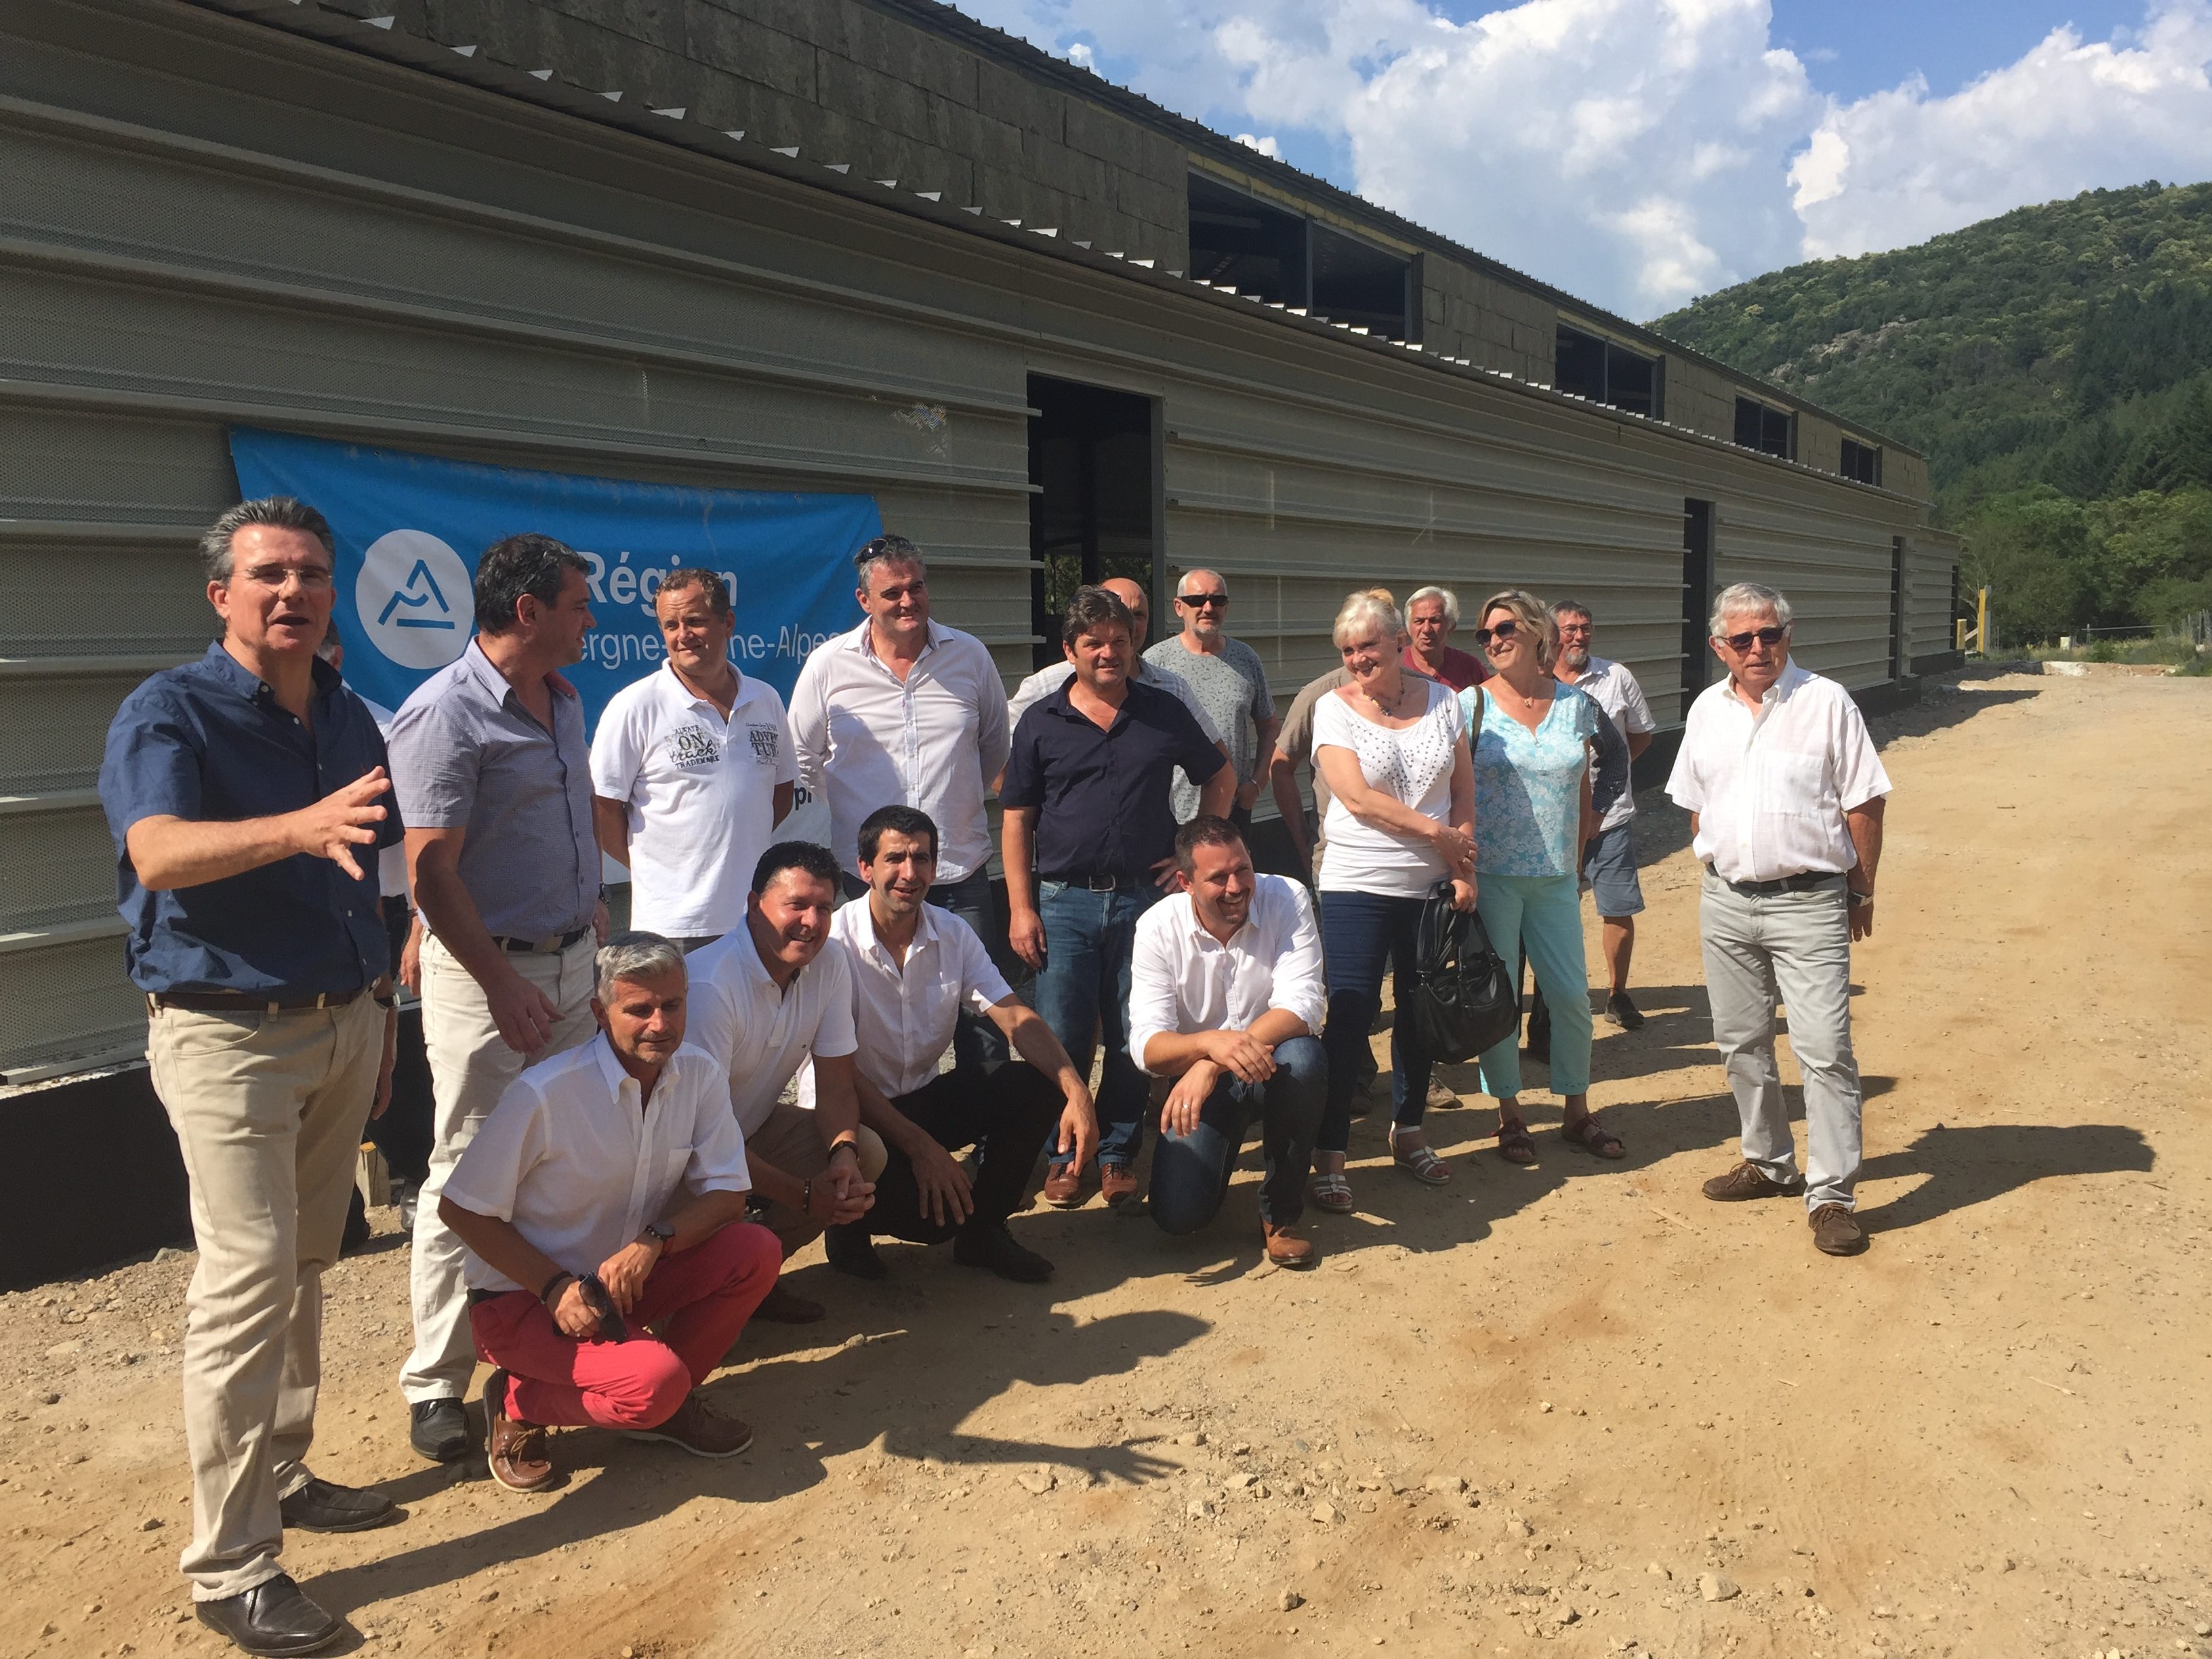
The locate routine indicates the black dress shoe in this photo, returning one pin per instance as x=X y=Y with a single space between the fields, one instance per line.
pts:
x=323 y=1506
x=275 y=1617
x=851 y=1250
x=438 y=1429
x=991 y=1246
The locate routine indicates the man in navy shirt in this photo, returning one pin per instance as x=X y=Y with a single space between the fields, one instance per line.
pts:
x=1088 y=841
x=248 y=797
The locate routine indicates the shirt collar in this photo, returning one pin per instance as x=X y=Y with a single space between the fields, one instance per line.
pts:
x=249 y=685
x=757 y=970
x=611 y=1069
x=925 y=932
x=496 y=684
x=1205 y=940
x=863 y=640
x=688 y=696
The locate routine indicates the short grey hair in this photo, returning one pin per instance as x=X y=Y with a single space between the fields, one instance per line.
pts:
x=886 y=549
x=1450 y=600
x=1743 y=598
x=1360 y=612
x=278 y=512
x=1572 y=608
x=634 y=955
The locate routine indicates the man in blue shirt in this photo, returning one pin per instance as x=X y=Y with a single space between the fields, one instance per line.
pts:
x=247 y=795
x=1088 y=841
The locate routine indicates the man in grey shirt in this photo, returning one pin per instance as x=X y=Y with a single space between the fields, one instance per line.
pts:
x=490 y=761
x=1226 y=676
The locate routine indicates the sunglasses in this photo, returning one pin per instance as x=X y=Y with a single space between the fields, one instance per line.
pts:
x=1504 y=630
x=1764 y=635
x=1204 y=601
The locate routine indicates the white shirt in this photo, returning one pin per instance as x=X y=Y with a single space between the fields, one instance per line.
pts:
x=701 y=796
x=1615 y=690
x=572 y=1160
x=1050 y=678
x=1413 y=765
x=1181 y=979
x=904 y=1016
x=1771 y=790
x=933 y=741
x=758 y=1034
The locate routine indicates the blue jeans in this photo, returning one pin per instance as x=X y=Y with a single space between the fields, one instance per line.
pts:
x=1359 y=933
x=1190 y=1173
x=1084 y=987
x=1542 y=917
x=975 y=1041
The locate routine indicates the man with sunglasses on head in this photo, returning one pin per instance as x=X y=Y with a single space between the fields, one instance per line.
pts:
x=1786 y=797
x=1229 y=683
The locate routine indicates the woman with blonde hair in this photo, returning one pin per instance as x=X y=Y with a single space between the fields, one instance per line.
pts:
x=1401 y=820
x=1531 y=794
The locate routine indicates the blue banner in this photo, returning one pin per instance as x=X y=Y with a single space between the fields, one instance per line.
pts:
x=409 y=528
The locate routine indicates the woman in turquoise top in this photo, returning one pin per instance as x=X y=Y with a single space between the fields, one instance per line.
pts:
x=1532 y=815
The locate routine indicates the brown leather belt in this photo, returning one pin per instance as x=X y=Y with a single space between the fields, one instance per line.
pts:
x=242 y=1002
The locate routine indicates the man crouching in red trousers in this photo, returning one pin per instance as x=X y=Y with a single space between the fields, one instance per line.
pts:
x=605 y=1194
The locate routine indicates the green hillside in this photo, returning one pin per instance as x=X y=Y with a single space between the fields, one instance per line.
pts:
x=2055 y=363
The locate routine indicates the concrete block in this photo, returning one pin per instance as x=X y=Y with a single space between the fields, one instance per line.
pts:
x=986 y=141
x=1011 y=98
x=1146 y=198
x=1166 y=159
x=1099 y=132
x=1085 y=178
x=865 y=95
x=894 y=47
x=810 y=20
x=766 y=56
x=657 y=22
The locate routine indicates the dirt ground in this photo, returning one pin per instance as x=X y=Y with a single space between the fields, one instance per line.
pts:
x=1573 y=1408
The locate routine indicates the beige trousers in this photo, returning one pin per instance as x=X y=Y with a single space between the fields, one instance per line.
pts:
x=470 y=1067
x=268 y=1110
x=791 y=1140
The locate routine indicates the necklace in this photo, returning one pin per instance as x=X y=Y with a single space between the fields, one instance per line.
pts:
x=1396 y=703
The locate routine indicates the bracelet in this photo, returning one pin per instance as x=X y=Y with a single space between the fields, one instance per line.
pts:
x=806 y=1197
x=546 y=1289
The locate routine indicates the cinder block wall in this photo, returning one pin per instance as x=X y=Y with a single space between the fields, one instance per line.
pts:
x=1465 y=313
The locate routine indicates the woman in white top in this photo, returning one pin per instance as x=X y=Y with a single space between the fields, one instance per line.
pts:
x=1391 y=748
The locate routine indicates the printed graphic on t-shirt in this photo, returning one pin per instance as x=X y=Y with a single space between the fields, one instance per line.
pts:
x=765 y=740
x=693 y=747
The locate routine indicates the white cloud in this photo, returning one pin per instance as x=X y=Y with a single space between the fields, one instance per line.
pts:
x=1638 y=152
x=1267 y=146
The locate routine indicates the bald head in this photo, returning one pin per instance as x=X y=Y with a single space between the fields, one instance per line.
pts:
x=1202 y=605
x=1140 y=603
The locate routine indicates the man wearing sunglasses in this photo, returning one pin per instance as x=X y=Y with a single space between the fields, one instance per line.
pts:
x=1230 y=684
x=1786 y=798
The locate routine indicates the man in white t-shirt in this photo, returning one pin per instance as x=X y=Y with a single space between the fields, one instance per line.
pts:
x=767 y=997
x=692 y=768
x=1609 y=860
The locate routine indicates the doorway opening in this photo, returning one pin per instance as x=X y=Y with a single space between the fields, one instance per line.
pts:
x=1697 y=598
x=1097 y=509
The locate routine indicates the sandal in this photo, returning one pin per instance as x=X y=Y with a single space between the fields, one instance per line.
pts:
x=1587 y=1134
x=1513 y=1142
x=1420 y=1162
x=1331 y=1192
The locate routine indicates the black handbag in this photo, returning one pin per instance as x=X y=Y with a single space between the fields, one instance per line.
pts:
x=1465 y=1000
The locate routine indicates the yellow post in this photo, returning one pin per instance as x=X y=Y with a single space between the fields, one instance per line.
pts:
x=1982 y=623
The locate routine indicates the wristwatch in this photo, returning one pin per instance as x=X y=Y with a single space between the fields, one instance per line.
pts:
x=654 y=1229
x=1859 y=898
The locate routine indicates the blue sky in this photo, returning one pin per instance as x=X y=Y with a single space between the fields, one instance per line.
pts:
x=1641 y=152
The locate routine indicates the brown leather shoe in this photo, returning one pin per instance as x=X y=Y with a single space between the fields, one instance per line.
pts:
x=1063 y=1186
x=1836 y=1231
x=1116 y=1184
x=515 y=1450
x=1747 y=1180
x=1286 y=1247
x=700 y=1430
x=783 y=1307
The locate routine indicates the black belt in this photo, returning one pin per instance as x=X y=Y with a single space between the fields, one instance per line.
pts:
x=1805 y=883
x=232 y=1002
x=552 y=945
x=1101 y=884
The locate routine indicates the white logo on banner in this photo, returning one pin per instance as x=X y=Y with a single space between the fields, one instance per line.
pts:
x=415 y=600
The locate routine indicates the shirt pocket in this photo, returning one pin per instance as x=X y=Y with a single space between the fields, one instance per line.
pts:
x=1793 y=786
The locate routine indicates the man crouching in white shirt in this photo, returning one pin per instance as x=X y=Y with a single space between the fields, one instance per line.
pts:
x=605 y=1194
x=1226 y=997
x=915 y=968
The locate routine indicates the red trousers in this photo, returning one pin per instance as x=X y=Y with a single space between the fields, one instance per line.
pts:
x=699 y=1298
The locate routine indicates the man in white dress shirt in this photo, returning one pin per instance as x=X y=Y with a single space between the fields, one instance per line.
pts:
x=914 y=968
x=1226 y=997
x=1786 y=798
x=692 y=768
x=605 y=1194
x=766 y=998
x=904 y=710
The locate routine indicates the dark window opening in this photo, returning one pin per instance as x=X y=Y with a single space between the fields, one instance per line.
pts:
x=1367 y=287
x=1281 y=258
x=1606 y=374
x=1773 y=431
x=1095 y=512
x=1862 y=462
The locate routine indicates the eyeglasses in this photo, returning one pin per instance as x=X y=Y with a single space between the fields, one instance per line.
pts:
x=312 y=578
x=1204 y=601
x=1504 y=630
x=1575 y=628
x=1764 y=635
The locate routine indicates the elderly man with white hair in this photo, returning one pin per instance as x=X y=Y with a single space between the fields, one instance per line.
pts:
x=1432 y=618
x=1786 y=798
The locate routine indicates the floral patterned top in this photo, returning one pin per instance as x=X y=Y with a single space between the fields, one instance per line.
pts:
x=1528 y=785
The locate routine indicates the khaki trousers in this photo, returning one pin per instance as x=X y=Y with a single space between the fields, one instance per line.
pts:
x=470 y=1067
x=791 y=1140
x=268 y=1110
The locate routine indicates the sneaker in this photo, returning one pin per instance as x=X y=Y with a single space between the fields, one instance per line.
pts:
x=514 y=1450
x=1063 y=1187
x=1116 y=1185
x=1836 y=1231
x=991 y=1246
x=438 y=1429
x=700 y=1430
x=851 y=1250
x=1622 y=1012
x=1746 y=1181
x=1441 y=1099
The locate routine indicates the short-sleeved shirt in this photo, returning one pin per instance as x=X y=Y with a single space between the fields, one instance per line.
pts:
x=1528 y=785
x=579 y=1166
x=1413 y=765
x=1053 y=674
x=1460 y=668
x=1232 y=689
x=933 y=741
x=701 y=792
x=1295 y=740
x=1614 y=690
x=904 y=1014
x=1101 y=797
x=759 y=1034
x=208 y=742
x=1770 y=789
x=466 y=754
